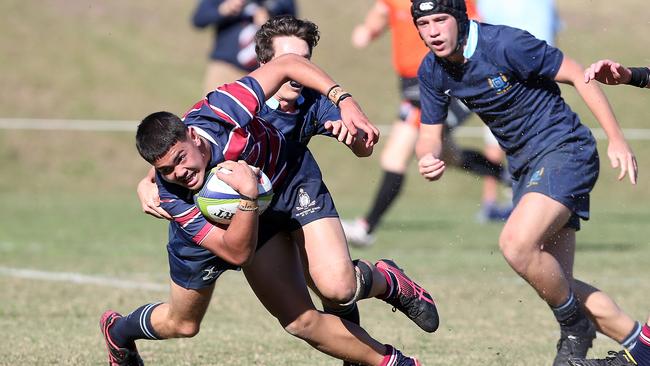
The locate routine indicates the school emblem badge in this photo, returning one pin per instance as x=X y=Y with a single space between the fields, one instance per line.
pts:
x=500 y=83
x=305 y=204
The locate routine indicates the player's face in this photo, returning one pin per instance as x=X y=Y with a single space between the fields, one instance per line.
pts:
x=290 y=91
x=184 y=164
x=439 y=32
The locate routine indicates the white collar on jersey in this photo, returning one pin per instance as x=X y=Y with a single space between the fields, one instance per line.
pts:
x=472 y=40
x=204 y=134
x=275 y=104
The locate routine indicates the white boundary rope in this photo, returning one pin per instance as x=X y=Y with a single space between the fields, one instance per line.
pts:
x=130 y=126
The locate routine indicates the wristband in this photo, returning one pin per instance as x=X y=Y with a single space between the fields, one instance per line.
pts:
x=245 y=205
x=331 y=89
x=246 y=198
x=335 y=93
x=640 y=76
x=343 y=96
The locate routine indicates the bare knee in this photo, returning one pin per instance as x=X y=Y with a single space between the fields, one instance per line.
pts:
x=339 y=290
x=304 y=324
x=514 y=250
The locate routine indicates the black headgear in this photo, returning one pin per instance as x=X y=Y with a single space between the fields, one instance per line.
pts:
x=455 y=8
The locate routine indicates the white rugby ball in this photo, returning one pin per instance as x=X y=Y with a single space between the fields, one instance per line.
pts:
x=218 y=202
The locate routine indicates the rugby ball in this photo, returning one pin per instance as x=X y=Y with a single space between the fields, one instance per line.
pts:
x=218 y=202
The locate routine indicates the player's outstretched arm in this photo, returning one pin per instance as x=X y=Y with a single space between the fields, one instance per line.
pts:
x=619 y=152
x=428 y=149
x=613 y=73
x=608 y=72
x=276 y=72
x=148 y=196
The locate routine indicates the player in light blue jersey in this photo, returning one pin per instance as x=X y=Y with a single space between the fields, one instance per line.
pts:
x=517 y=13
x=509 y=79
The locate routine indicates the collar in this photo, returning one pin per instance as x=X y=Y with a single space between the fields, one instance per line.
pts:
x=275 y=104
x=472 y=40
x=201 y=132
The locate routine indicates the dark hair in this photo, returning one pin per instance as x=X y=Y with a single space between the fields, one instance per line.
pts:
x=157 y=133
x=285 y=25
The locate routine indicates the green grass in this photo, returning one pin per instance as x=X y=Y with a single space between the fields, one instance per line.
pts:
x=489 y=315
x=69 y=205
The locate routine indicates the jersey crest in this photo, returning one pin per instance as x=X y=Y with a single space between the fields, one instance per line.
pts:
x=500 y=83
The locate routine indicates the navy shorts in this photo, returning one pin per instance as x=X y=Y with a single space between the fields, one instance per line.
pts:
x=566 y=174
x=303 y=198
x=409 y=109
x=191 y=266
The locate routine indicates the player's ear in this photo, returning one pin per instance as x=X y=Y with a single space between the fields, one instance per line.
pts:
x=193 y=136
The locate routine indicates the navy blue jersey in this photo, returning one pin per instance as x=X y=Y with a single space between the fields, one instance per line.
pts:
x=313 y=110
x=508 y=81
x=227 y=119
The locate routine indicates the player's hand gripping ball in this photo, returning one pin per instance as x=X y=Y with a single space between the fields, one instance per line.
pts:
x=218 y=201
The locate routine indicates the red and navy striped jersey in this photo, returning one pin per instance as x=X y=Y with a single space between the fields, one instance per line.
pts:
x=227 y=118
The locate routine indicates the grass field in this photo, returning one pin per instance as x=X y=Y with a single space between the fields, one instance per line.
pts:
x=69 y=202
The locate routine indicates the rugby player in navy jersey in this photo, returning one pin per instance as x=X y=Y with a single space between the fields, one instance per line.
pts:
x=224 y=126
x=613 y=73
x=509 y=79
x=301 y=113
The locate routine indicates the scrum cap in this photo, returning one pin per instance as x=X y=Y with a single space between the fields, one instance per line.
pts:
x=455 y=8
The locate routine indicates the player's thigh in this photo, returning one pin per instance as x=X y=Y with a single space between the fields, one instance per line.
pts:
x=276 y=278
x=324 y=250
x=535 y=218
x=399 y=148
x=189 y=304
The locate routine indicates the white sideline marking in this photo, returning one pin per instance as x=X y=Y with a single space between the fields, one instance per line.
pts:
x=79 y=278
x=130 y=126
